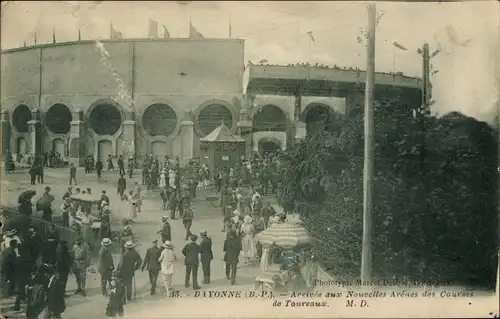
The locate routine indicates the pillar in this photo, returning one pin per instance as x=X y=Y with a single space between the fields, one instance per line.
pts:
x=5 y=125
x=187 y=139
x=244 y=129
x=35 y=134
x=298 y=127
x=77 y=139
x=128 y=135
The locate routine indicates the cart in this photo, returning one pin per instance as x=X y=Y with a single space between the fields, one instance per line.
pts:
x=92 y=205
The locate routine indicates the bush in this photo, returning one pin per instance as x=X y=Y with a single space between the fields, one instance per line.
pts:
x=435 y=196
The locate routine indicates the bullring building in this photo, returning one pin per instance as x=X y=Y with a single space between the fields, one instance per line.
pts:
x=134 y=97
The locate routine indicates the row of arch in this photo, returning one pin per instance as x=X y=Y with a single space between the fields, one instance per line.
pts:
x=161 y=120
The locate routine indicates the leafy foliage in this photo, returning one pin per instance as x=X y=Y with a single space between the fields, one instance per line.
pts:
x=434 y=196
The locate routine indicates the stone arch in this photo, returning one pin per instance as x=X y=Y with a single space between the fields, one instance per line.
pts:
x=211 y=114
x=58 y=119
x=105 y=117
x=159 y=119
x=320 y=116
x=269 y=118
x=20 y=118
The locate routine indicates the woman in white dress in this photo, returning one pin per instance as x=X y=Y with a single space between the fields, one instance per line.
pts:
x=167 y=261
x=248 y=240
x=86 y=221
x=131 y=203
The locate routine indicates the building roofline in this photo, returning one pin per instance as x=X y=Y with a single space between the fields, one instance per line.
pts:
x=48 y=45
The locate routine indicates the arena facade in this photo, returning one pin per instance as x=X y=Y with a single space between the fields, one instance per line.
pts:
x=134 y=97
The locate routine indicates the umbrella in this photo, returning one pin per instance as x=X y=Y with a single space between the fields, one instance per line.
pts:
x=26 y=196
x=285 y=235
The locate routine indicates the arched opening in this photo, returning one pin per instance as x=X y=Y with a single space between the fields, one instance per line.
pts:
x=211 y=116
x=320 y=117
x=105 y=119
x=20 y=118
x=58 y=119
x=21 y=145
x=159 y=120
x=267 y=146
x=269 y=118
x=159 y=149
x=58 y=146
x=104 y=149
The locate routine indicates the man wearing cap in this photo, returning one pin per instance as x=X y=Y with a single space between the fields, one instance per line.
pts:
x=206 y=256
x=191 y=261
x=121 y=166
x=152 y=263
x=166 y=230
x=44 y=204
x=129 y=263
x=105 y=264
x=81 y=260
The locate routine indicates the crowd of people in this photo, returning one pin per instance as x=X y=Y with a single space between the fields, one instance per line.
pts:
x=37 y=258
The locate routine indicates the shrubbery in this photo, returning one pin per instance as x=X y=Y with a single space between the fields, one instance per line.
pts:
x=435 y=196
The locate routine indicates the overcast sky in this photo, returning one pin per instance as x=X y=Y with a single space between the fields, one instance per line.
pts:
x=468 y=33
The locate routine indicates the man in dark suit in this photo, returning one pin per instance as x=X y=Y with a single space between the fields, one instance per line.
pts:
x=105 y=264
x=206 y=256
x=152 y=264
x=129 y=263
x=190 y=252
x=232 y=249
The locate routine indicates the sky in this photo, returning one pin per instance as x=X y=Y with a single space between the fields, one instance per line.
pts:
x=468 y=34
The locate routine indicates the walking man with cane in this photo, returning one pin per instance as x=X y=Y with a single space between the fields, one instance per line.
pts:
x=129 y=263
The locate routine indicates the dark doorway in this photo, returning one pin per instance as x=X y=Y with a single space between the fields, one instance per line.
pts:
x=268 y=146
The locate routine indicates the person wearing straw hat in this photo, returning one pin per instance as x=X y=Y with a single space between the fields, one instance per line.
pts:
x=129 y=263
x=206 y=256
x=167 y=260
x=247 y=240
x=152 y=263
x=105 y=264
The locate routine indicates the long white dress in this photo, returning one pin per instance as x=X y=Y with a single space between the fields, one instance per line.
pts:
x=247 y=241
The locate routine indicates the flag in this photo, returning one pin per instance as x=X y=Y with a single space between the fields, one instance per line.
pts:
x=166 y=35
x=193 y=33
x=115 y=34
x=54 y=36
x=435 y=53
x=399 y=46
x=153 y=29
x=311 y=35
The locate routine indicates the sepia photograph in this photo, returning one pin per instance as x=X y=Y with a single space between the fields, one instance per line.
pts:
x=249 y=159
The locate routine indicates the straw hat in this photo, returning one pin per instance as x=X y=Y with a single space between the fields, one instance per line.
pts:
x=106 y=242
x=247 y=219
x=104 y=203
x=11 y=232
x=164 y=218
x=167 y=244
x=237 y=213
x=129 y=244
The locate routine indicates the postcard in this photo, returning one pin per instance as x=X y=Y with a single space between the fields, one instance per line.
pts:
x=249 y=159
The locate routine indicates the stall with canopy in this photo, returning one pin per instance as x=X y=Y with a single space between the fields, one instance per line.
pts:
x=221 y=148
x=289 y=236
